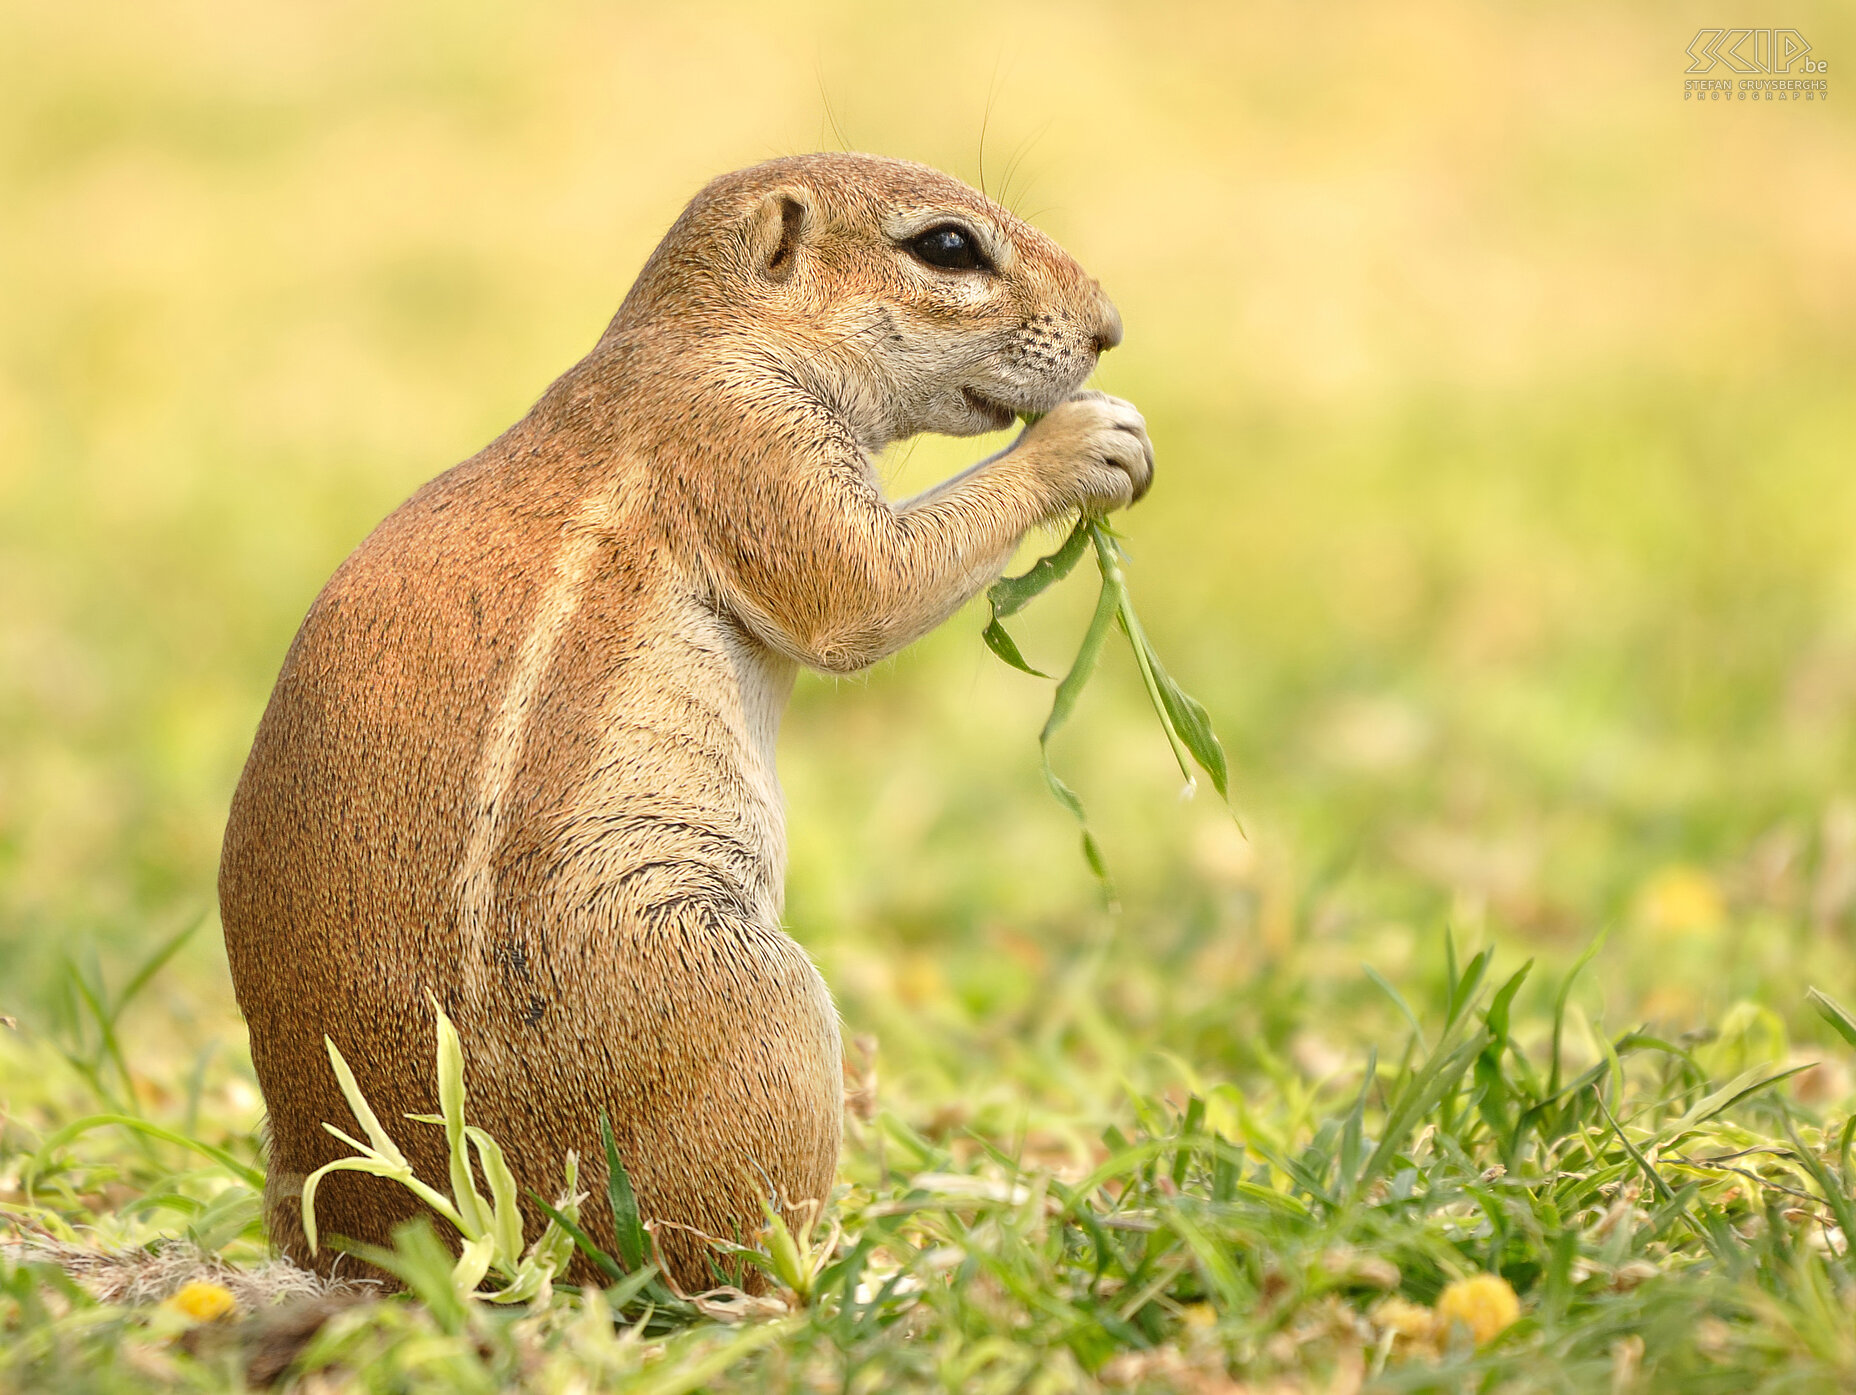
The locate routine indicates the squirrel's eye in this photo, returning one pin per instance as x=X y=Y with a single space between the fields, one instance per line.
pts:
x=950 y=247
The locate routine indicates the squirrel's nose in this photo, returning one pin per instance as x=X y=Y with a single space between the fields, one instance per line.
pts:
x=1108 y=333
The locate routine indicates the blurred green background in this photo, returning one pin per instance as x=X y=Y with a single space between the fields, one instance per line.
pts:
x=1506 y=517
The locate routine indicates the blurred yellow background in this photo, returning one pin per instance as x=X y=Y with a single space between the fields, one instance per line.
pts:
x=1506 y=517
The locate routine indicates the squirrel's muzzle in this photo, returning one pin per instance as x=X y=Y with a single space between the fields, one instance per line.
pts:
x=1108 y=330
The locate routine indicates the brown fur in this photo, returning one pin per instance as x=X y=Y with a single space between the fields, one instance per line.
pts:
x=520 y=754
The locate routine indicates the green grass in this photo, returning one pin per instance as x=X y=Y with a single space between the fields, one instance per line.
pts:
x=1502 y=523
x=1656 y=1217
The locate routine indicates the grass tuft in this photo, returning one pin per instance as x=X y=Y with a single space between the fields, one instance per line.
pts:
x=1472 y=1206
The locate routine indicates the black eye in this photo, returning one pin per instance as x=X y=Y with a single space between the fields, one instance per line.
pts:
x=950 y=247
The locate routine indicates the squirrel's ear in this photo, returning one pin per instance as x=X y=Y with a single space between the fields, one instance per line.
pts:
x=777 y=229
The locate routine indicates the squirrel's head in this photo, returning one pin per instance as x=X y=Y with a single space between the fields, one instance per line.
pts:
x=906 y=300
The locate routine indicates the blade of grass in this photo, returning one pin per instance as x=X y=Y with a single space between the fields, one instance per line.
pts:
x=451 y=1100
x=252 y=1177
x=1010 y=594
x=1188 y=729
x=108 y=1046
x=1398 y=1001
x=1664 y=1192
x=150 y=967
x=1183 y=719
x=1834 y=1013
x=678 y=1374
x=1559 y=1006
x=1068 y=690
x=627 y=1228
x=1720 y=1101
x=377 y=1136
x=604 y=1262
x=1835 y=1189
x=1002 y=644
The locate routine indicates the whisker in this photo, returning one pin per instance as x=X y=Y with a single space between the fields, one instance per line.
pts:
x=818 y=72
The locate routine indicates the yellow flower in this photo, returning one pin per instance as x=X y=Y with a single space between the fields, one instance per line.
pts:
x=1681 y=900
x=1199 y=1315
x=200 y=1301
x=1406 y=1321
x=1484 y=1304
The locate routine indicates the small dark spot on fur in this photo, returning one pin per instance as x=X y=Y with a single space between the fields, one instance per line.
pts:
x=513 y=956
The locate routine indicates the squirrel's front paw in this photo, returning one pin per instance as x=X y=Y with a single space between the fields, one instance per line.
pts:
x=1094 y=451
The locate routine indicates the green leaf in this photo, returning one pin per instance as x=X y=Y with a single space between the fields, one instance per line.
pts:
x=231 y=1215
x=1835 y=1189
x=150 y=967
x=643 y=1281
x=1660 y=1187
x=505 y=1212
x=1002 y=644
x=1183 y=719
x=1398 y=1001
x=1193 y=724
x=685 y=1373
x=531 y=1277
x=1726 y=1097
x=1010 y=594
x=473 y=1263
x=1068 y=690
x=374 y=1167
x=1497 y=1015
x=314 y=1180
x=556 y=1247
x=627 y=1230
x=606 y=1264
x=552 y=1252
x=1835 y=1014
x=1559 y=1005
x=251 y=1176
x=1495 y=1090
x=1463 y=988
x=363 y=1112
x=451 y=1097
x=420 y=1260
x=1214 y=1258
x=1423 y=1091
x=783 y=1250
x=352 y=1141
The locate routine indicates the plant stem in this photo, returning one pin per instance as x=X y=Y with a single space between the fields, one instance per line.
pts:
x=1137 y=640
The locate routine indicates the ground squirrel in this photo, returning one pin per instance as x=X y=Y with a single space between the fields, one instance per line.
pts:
x=521 y=753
